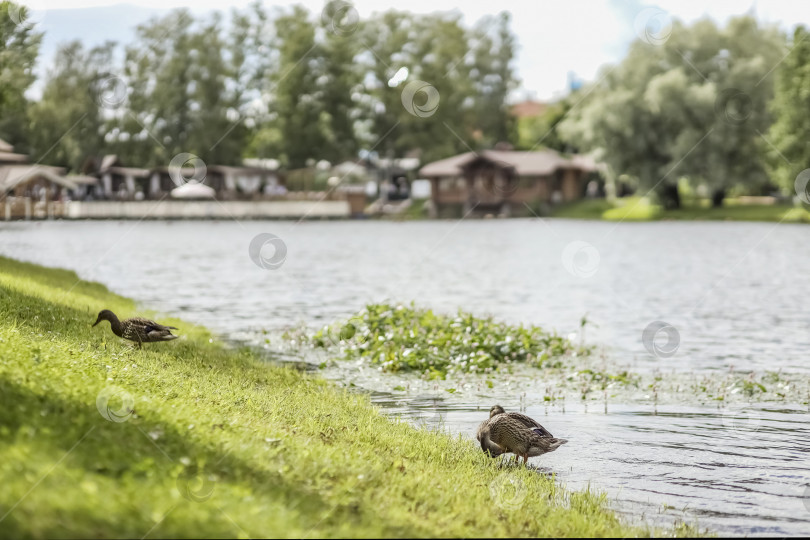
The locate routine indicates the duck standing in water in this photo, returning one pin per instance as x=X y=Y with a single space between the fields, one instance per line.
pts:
x=137 y=329
x=516 y=433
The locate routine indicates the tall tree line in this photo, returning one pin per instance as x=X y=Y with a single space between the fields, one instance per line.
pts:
x=692 y=106
x=275 y=83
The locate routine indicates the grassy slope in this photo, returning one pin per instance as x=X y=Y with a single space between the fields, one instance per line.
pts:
x=633 y=209
x=265 y=451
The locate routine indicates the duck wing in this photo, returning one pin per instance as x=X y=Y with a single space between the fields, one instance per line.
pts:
x=530 y=423
x=514 y=436
x=150 y=324
x=152 y=330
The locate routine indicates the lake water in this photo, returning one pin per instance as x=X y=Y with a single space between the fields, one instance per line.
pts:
x=734 y=292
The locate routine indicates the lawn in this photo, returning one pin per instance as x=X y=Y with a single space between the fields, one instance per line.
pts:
x=192 y=439
x=640 y=209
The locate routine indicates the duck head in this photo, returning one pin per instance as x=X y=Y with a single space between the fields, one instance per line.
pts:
x=104 y=315
x=495 y=410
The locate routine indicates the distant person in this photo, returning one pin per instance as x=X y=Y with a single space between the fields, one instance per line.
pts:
x=592 y=190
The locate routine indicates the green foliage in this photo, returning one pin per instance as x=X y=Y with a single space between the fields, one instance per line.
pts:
x=399 y=338
x=493 y=79
x=471 y=69
x=693 y=106
x=790 y=153
x=296 y=101
x=19 y=47
x=216 y=442
x=183 y=94
x=637 y=209
x=285 y=84
x=67 y=124
x=543 y=131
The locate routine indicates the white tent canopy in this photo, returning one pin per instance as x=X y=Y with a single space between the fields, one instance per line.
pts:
x=193 y=190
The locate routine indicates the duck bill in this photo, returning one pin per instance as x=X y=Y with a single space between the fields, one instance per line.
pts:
x=97 y=321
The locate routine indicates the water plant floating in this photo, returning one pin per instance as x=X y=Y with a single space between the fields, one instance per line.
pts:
x=405 y=338
x=137 y=329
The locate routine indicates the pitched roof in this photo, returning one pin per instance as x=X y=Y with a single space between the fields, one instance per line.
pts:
x=12 y=175
x=11 y=157
x=538 y=163
x=131 y=171
x=448 y=166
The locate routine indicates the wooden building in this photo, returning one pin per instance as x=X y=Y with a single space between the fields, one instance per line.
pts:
x=118 y=182
x=28 y=190
x=505 y=182
x=228 y=182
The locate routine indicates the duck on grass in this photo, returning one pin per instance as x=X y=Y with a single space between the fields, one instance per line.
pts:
x=137 y=329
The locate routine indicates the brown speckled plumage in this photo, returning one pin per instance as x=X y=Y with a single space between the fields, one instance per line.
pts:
x=516 y=433
x=137 y=329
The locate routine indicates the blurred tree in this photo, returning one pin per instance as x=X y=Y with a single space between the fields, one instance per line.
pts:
x=493 y=50
x=790 y=132
x=252 y=38
x=340 y=78
x=694 y=106
x=722 y=150
x=421 y=88
x=387 y=65
x=183 y=94
x=19 y=47
x=67 y=123
x=297 y=98
x=286 y=86
x=542 y=131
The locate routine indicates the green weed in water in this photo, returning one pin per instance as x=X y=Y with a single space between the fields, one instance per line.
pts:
x=405 y=338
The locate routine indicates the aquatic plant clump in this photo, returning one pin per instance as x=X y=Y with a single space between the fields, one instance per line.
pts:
x=399 y=338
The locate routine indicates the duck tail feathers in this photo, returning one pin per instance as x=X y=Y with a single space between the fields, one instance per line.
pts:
x=556 y=443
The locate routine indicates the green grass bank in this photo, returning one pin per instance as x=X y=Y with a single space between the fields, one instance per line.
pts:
x=639 y=209
x=190 y=438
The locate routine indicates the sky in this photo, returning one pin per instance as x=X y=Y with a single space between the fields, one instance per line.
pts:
x=555 y=38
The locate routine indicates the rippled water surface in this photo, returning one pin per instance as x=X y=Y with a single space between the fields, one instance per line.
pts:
x=736 y=293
